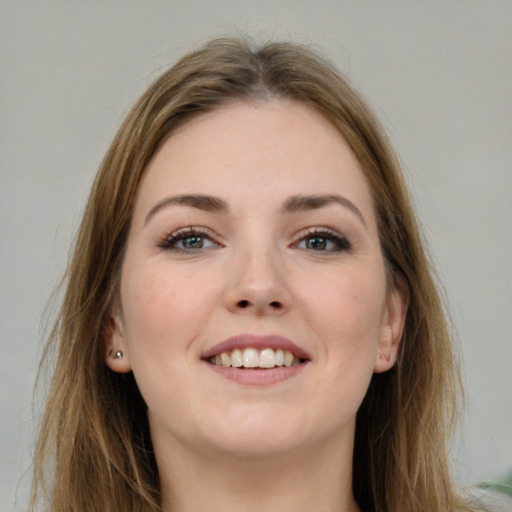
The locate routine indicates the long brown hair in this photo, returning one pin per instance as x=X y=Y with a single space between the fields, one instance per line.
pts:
x=95 y=435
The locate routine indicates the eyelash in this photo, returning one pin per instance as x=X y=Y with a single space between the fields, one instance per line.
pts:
x=329 y=235
x=169 y=242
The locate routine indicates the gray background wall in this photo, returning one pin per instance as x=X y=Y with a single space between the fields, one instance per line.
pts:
x=439 y=74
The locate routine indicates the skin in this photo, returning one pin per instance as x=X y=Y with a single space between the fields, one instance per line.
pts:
x=219 y=444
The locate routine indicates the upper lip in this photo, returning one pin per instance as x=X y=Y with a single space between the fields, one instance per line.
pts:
x=258 y=342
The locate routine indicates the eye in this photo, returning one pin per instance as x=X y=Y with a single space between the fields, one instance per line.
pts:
x=187 y=240
x=324 y=240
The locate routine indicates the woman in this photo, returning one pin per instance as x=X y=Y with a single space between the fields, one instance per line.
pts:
x=250 y=320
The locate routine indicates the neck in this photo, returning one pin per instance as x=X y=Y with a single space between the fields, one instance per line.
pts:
x=305 y=481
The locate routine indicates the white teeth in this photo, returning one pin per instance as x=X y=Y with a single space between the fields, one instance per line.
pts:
x=226 y=361
x=236 y=358
x=267 y=358
x=252 y=358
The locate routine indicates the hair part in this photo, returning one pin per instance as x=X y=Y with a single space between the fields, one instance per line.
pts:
x=99 y=440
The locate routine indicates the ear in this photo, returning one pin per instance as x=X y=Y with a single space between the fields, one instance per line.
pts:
x=116 y=350
x=392 y=325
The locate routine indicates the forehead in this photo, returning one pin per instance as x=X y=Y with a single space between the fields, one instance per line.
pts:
x=244 y=150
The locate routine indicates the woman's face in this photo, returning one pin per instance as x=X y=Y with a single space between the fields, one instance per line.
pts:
x=254 y=246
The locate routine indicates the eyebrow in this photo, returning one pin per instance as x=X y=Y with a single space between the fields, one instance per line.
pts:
x=314 y=202
x=199 y=201
x=299 y=203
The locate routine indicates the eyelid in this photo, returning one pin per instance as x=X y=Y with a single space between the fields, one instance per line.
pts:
x=168 y=241
x=341 y=241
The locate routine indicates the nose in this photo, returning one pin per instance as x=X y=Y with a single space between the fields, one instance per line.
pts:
x=258 y=285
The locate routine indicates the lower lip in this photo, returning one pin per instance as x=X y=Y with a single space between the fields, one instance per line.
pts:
x=257 y=377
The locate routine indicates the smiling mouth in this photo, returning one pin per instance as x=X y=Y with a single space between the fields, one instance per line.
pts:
x=266 y=358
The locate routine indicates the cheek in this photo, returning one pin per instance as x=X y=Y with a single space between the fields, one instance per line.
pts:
x=349 y=304
x=163 y=312
x=162 y=309
x=345 y=315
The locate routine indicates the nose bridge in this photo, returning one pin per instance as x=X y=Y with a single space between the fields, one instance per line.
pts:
x=259 y=279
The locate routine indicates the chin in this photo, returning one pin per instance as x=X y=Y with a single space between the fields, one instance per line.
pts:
x=264 y=434
x=255 y=446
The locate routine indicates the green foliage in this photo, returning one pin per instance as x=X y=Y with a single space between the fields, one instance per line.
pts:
x=503 y=485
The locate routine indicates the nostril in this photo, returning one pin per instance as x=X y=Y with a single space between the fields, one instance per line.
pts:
x=244 y=304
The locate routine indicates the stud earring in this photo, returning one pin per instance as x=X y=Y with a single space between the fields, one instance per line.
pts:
x=118 y=355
